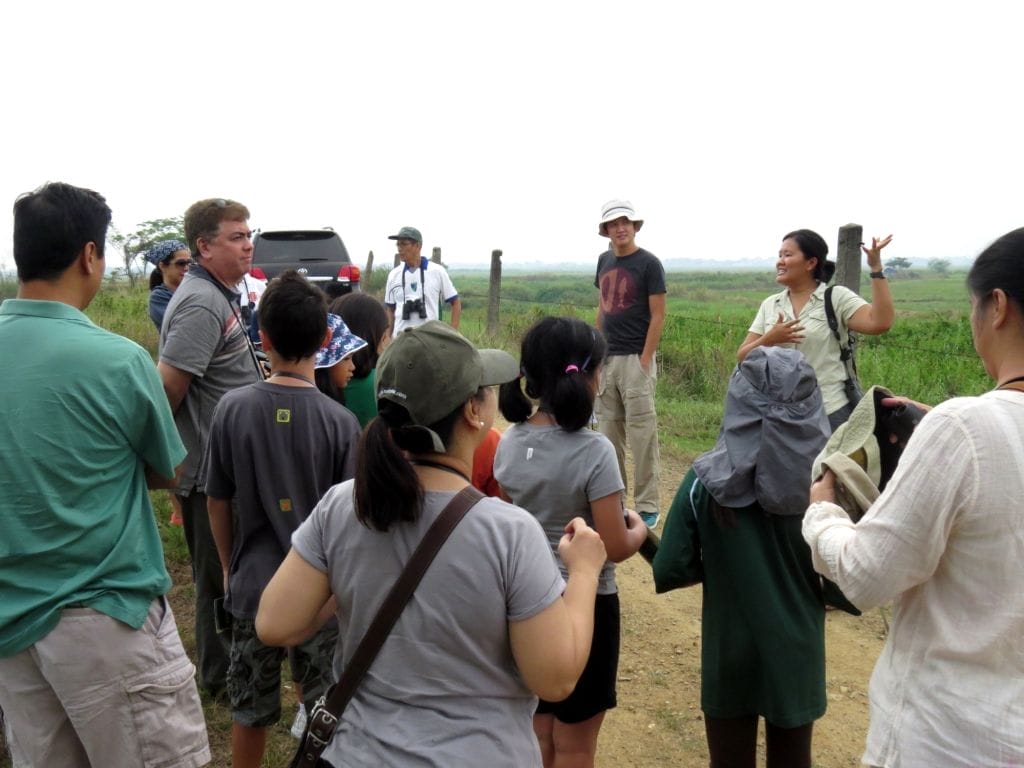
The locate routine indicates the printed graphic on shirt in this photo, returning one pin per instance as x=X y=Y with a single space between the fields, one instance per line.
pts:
x=284 y=416
x=618 y=291
x=408 y=290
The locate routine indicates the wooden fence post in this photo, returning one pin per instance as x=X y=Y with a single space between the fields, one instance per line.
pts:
x=494 y=294
x=848 y=256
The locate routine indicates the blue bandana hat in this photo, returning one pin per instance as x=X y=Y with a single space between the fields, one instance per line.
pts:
x=162 y=251
x=342 y=344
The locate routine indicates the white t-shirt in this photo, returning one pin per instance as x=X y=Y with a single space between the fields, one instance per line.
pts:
x=251 y=289
x=945 y=540
x=444 y=689
x=431 y=284
x=819 y=347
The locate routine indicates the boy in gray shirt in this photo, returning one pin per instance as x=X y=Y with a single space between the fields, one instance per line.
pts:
x=276 y=447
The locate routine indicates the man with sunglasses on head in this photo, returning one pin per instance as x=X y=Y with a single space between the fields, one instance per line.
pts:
x=205 y=352
x=416 y=286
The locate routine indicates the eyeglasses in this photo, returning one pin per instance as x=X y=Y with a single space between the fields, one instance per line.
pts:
x=181 y=263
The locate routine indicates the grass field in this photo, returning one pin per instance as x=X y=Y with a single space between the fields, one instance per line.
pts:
x=928 y=355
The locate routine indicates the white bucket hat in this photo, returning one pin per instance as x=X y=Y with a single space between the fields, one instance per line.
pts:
x=616 y=209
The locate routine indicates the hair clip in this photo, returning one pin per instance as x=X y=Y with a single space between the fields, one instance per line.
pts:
x=572 y=368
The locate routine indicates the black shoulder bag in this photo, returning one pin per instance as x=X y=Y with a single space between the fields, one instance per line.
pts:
x=852 y=383
x=327 y=711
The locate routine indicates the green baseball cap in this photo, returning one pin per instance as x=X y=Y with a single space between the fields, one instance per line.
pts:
x=432 y=369
x=408 y=233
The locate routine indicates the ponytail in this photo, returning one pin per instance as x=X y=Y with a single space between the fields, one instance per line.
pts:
x=560 y=357
x=387 y=488
x=514 y=405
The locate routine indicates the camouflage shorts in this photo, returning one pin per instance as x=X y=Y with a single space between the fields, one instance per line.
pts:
x=254 y=673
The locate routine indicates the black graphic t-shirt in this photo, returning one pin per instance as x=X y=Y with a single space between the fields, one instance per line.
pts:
x=626 y=283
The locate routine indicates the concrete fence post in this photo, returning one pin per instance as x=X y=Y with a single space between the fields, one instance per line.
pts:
x=494 y=294
x=435 y=255
x=369 y=267
x=848 y=258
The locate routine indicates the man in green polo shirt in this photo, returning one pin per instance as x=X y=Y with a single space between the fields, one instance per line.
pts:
x=92 y=670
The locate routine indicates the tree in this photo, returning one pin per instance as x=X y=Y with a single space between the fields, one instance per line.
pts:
x=899 y=263
x=939 y=266
x=135 y=244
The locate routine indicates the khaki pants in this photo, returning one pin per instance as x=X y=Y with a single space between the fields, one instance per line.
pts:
x=95 y=692
x=625 y=411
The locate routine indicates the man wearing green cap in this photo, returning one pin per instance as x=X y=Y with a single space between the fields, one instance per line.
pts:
x=414 y=288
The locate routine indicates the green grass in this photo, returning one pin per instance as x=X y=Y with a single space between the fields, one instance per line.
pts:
x=928 y=354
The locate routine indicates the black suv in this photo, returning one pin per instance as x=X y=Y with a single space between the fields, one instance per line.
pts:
x=319 y=254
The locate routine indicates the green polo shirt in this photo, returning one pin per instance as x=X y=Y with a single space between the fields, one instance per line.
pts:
x=83 y=413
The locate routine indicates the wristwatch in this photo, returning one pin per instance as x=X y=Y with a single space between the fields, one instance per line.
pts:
x=877 y=275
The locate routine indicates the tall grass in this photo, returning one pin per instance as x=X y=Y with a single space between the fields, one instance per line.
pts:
x=928 y=354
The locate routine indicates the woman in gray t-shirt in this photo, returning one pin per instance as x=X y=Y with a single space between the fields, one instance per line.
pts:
x=550 y=465
x=490 y=625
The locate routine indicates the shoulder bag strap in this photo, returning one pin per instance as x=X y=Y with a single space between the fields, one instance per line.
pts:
x=323 y=721
x=830 y=315
x=845 y=349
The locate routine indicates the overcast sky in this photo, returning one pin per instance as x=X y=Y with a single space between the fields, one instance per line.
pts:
x=507 y=126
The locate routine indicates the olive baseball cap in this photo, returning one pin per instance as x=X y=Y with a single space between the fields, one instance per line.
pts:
x=408 y=233
x=432 y=369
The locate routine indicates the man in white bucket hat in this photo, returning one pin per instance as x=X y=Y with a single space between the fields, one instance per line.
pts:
x=631 y=314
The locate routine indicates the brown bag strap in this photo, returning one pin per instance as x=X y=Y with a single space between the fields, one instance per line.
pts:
x=323 y=719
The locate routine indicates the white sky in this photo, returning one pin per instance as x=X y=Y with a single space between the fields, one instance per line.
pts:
x=507 y=126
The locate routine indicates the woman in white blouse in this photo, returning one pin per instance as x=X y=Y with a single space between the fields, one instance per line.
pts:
x=945 y=542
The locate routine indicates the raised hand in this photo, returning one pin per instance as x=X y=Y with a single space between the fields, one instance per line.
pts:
x=874 y=253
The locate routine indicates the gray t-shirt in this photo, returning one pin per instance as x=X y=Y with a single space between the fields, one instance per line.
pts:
x=444 y=690
x=201 y=335
x=555 y=475
x=274 y=450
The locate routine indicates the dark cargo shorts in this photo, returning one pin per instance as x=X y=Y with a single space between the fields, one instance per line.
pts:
x=254 y=673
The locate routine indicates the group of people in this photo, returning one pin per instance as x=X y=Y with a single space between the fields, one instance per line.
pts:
x=300 y=513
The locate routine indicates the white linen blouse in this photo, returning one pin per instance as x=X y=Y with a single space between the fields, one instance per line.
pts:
x=945 y=541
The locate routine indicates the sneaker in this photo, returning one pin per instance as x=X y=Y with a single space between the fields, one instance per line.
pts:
x=299 y=726
x=650 y=518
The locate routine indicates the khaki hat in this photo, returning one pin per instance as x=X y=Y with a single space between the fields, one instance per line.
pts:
x=861 y=452
x=616 y=209
x=432 y=369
